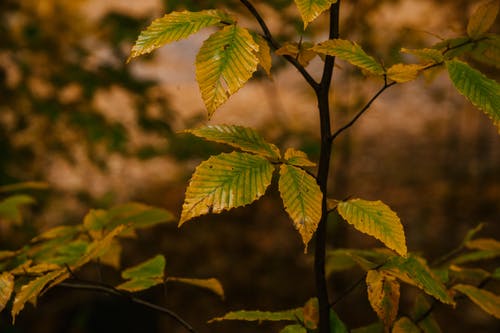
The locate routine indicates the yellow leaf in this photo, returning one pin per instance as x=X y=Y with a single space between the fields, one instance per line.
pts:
x=383 y=294
x=404 y=72
x=211 y=284
x=264 y=53
x=6 y=288
x=310 y=9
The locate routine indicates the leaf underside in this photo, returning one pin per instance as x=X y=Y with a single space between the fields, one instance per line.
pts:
x=375 y=219
x=240 y=137
x=226 y=181
x=481 y=91
x=225 y=61
x=310 y=9
x=301 y=197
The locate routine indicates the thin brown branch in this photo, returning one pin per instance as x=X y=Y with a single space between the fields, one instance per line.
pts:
x=103 y=288
x=276 y=45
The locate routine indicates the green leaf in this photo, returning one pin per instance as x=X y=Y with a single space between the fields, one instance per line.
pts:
x=486 y=300
x=6 y=288
x=336 y=325
x=244 y=138
x=298 y=158
x=467 y=275
x=487 y=50
x=10 y=207
x=226 y=181
x=295 y=328
x=404 y=72
x=375 y=219
x=66 y=254
x=264 y=53
x=244 y=315
x=175 y=26
x=427 y=55
x=454 y=47
x=226 y=60
x=138 y=216
x=383 y=294
x=414 y=270
x=484 y=93
x=420 y=309
x=310 y=9
x=351 y=52
x=144 y=275
x=405 y=325
x=482 y=19
x=301 y=197
x=343 y=259
x=30 y=291
x=476 y=256
x=211 y=284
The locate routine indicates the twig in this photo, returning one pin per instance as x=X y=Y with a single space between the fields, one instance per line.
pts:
x=103 y=288
x=362 y=111
x=276 y=45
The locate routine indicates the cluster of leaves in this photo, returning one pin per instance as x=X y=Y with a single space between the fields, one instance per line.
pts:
x=56 y=255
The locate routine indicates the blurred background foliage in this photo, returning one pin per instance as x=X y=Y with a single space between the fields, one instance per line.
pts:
x=100 y=132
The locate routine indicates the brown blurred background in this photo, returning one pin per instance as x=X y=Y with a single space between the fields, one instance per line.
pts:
x=102 y=132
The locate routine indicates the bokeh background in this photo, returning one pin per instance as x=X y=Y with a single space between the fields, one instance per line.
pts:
x=100 y=132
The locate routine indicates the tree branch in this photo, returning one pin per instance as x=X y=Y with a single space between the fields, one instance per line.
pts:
x=276 y=45
x=362 y=111
x=103 y=288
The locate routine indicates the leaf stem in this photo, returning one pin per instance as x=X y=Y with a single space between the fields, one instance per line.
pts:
x=276 y=45
x=103 y=288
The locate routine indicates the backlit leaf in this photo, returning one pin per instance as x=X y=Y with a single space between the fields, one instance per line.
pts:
x=486 y=300
x=175 y=26
x=136 y=285
x=404 y=72
x=31 y=290
x=264 y=53
x=351 y=52
x=298 y=158
x=310 y=9
x=483 y=18
x=226 y=60
x=301 y=197
x=226 y=181
x=375 y=219
x=481 y=91
x=383 y=294
x=414 y=270
x=112 y=257
x=244 y=138
x=6 y=288
x=211 y=284
x=244 y=315
x=426 y=55
x=405 y=325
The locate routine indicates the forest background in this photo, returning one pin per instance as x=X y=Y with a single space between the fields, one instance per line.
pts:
x=99 y=131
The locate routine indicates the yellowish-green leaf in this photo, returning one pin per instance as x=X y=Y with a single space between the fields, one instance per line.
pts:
x=427 y=55
x=301 y=197
x=264 y=53
x=175 y=26
x=496 y=274
x=138 y=216
x=483 y=18
x=485 y=244
x=351 y=52
x=298 y=158
x=24 y=186
x=211 y=284
x=414 y=270
x=481 y=91
x=226 y=60
x=427 y=323
x=486 y=300
x=42 y=268
x=476 y=256
x=58 y=232
x=244 y=315
x=375 y=219
x=6 y=288
x=344 y=259
x=454 y=47
x=404 y=72
x=336 y=325
x=405 y=325
x=244 y=138
x=136 y=285
x=302 y=52
x=30 y=291
x=10 y=207
x=112 y=257
x=226 y=181
x=487 y=50
x=144 y=275
x=295 y=328
x=383 y=294
x=310 y=313
x=467 y=275
x=310 y=9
